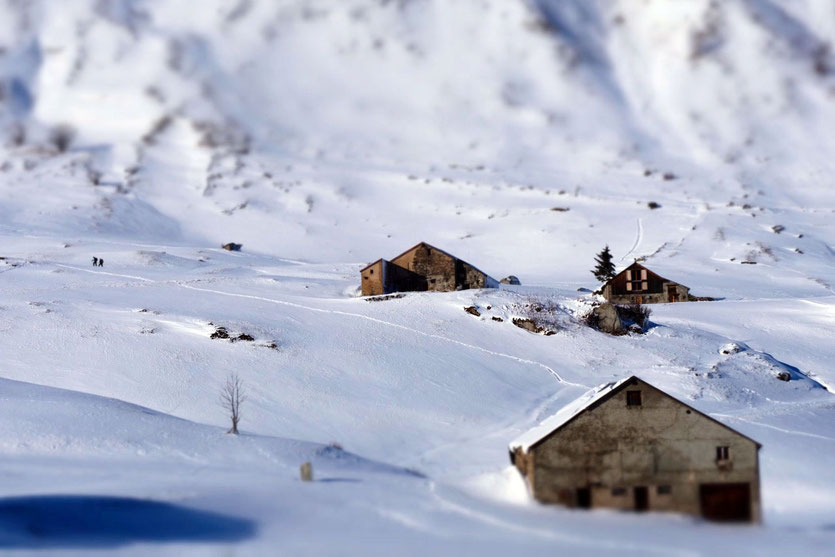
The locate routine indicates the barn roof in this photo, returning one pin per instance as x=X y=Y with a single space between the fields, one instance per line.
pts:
x=564 y=415
x=434 y=248
x=372 y=264
x=636 y=264
x=590 y=399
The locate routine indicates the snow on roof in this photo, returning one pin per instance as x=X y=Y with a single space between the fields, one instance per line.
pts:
x=564 y=414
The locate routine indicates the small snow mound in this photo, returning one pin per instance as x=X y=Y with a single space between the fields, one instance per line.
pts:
x=731 y=348
x=506 y=485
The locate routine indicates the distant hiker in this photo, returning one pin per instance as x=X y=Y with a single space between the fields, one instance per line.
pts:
x=101 y=262
x=95 y=261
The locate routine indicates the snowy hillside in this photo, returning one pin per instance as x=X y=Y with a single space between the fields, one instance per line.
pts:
x=521 y=136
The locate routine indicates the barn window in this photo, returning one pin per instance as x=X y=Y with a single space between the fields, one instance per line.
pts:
x=722 y=453
x=618 y=491
x=371 y=272
x=633 y=398
x=664 y=489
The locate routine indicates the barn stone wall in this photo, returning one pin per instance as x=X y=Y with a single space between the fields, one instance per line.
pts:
x=422 y=268
x=662 y=445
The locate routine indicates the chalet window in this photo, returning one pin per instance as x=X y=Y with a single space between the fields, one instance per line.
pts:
x=633 y=398
x=618 y=491
x=664 y=489
x=637 y=281
x=722 y=454
x=371 y=272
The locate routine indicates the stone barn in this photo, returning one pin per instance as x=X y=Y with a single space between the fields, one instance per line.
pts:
x=422 y=267
x=628 y=445
x=638 y=285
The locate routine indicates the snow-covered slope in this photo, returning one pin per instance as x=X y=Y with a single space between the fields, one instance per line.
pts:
x=522 y=136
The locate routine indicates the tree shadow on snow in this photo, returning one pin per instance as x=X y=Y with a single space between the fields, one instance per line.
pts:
x=90 y=521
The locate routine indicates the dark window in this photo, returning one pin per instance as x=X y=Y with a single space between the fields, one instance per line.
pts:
x=664 y=489
x=618 y=491
x=633 y=398
x=722 y=453
x=371 y=272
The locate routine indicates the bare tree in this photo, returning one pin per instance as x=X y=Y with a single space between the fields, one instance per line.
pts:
x=232 y=395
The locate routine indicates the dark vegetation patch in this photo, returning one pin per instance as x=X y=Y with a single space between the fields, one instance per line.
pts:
x=223 y=334
x=384 y=298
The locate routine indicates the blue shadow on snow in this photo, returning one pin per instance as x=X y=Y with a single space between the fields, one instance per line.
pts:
x=92 y=521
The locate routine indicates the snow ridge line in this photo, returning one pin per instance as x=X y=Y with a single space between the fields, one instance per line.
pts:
x=181 y=284
x=388 y=323
x=780 y=429
x=143 y=279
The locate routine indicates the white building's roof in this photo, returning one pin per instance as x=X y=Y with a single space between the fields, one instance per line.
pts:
x=563 y=415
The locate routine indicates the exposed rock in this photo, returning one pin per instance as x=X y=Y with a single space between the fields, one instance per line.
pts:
x=220 y=332
x=472 y=311
x=499 y=319
x=530 y=325
x=653 y=205
x=784 y=376
x=605 y=318
x=560 y=209
x=232 y=246
x=777 y=228
x=511 y=279
x=636 y=314
x=244 y=336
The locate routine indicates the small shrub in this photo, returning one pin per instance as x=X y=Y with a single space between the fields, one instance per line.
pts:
x=61 y=137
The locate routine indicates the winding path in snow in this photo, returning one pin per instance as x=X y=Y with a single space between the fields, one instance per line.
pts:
x=639 y=236
x=182 y=284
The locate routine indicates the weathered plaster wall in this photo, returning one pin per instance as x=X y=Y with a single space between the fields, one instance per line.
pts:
x=660 y=443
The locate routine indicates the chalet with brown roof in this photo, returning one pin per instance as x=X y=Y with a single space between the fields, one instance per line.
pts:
x=422 y=267
x=628 y=445
x=638 y=285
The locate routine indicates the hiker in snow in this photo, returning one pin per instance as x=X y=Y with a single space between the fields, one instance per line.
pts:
x=95 y=261
x=101 y=262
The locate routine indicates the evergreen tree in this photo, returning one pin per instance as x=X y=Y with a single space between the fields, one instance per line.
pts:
x=605 y=269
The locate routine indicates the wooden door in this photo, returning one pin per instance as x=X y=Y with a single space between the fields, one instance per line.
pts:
x=672 y=294
x=726 y=502
x=641 y=498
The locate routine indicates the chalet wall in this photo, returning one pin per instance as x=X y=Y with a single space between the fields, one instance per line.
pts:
x=663 y=296
x=637 y=284
x=618 y=447
x=373 y=279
